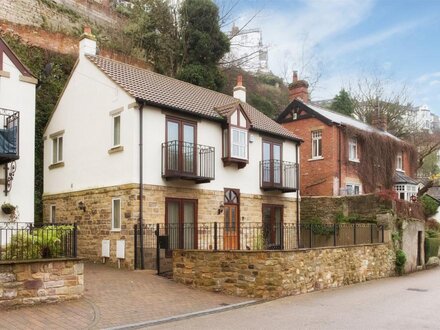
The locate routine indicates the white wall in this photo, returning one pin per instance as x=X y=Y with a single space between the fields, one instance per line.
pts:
x=20 y=96
x=83 y=113
x=208 y=133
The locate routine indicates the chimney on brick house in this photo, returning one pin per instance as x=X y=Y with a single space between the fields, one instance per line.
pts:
x=298 y=89
x=87 y=44
x=240 y=90
x=379 y=119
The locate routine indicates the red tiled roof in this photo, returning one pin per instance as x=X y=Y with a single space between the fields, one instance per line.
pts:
x=165 y=91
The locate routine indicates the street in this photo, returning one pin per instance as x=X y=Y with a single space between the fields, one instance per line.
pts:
x=409 y=302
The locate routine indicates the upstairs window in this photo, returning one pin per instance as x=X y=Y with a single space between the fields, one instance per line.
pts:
x=116 y=139
x=316 y=144
x=239 y=143
x=57 y=149
x=353 y=150
x=236 y=139
x=399 y=161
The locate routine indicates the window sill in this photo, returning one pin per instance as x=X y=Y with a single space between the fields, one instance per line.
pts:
x=317 y=158
x=240 y=162
x=5 y=74
x=354 y=160
x=56 y=165
x=400 y=170
x=115 y=230
x=115 y=149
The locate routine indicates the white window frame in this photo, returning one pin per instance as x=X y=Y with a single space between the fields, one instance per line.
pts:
x=52 y=213
x=353 y=150
x=114 y=117
x=399 y=162
x=56 y=157
x=407 y=190
x=351 y=187
x=316 y=141
x=239 y=145
x=113 y=214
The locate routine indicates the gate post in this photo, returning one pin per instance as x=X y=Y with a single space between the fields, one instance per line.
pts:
x=157 y=249
x=135 y=248
x=215 y=237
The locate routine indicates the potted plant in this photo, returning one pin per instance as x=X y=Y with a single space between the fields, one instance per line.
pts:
x=8 y=208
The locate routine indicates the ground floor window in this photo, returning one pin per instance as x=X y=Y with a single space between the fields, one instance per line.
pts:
x=116 y=214
x=181 y=223
x=52 y=216
x=353 y=189
x=405 y=191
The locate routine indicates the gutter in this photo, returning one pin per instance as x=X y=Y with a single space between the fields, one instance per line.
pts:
x=339 y=158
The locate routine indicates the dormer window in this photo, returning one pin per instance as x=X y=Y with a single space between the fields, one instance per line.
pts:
x=236 y=138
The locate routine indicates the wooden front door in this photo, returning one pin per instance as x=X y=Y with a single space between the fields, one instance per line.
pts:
x=231 y=232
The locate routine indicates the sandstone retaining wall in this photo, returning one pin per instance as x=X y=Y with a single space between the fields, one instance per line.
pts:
x=272 y=274
x=35 y=282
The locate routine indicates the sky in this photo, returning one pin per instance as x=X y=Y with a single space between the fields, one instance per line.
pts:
x=344 y=41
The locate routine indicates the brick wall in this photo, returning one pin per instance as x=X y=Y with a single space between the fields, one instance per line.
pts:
x=95 y=223
x=35 y=282
x=317 y=176
x=267 y=274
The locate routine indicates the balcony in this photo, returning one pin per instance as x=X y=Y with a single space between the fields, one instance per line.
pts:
x=9 y=125
x=278 y=175
x=188 y=161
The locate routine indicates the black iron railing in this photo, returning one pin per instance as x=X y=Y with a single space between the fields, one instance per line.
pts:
x=9 y=127
x=186 y=160
x=278 y=175
x=25 y=241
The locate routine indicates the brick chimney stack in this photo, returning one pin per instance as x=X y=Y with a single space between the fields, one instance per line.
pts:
x=298 y=89
x=379 y=119
x=87 y=44
x=240 y=90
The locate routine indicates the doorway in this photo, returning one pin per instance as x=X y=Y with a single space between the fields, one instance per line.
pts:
x=231 y=235
x=272 y=226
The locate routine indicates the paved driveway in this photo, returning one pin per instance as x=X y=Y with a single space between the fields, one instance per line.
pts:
x=115 y=297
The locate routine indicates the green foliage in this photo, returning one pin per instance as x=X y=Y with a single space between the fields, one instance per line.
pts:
x=430 y=233
x=353 y=218
x=429 y=204
x=187 y=46
x=44 y=242
x=343 y=103
x=52 y=71
x=320 y=228
x=432 y=245
x=400 y=261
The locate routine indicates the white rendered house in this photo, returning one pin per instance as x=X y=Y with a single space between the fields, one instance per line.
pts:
x=17 y=136
x=127 y=146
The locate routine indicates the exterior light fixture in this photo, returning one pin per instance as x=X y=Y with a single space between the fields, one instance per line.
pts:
x=82 y=206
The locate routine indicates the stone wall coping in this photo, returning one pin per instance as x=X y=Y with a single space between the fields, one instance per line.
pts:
x=284 y=251
x=338 y=197
x=34 y=261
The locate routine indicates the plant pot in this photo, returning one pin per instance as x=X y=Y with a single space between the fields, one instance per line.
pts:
x=8 y=209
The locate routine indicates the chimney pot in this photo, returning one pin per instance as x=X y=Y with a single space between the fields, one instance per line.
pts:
x=295 y=76
x=298 y=89
x=87 y=44
x=87 y=30
x=240 y=90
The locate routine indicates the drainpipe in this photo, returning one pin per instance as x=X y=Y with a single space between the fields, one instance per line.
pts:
x=339 y=159
x=141 y=182
x=297 y=196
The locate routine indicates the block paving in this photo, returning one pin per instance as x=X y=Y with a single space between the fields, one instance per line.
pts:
x=115 y=297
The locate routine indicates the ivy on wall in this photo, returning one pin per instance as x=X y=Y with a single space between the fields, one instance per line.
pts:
x=378 y=157
x=52 y=70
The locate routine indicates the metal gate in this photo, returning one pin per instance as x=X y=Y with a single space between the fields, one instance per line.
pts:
x=152 y=248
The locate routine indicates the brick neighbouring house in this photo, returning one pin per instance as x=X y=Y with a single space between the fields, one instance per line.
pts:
x=196 y=153
x=331 y=155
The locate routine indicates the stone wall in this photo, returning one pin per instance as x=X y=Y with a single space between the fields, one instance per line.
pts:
x=327 y=208
x=35 y=282
x=273 y=274
x=94 y=224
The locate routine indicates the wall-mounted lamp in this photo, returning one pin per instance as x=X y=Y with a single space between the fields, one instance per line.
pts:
x=82 y=206
x=220 y=209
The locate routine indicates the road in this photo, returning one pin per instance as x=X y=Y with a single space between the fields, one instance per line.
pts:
x=408 y=302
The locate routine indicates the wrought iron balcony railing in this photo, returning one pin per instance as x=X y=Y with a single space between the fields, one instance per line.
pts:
x=188 y=161
x=9 y=126
x=278 y=175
